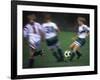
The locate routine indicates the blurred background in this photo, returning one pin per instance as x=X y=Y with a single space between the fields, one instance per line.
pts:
x=65 y=21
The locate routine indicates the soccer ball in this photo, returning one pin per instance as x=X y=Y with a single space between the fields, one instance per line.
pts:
x=67 y=54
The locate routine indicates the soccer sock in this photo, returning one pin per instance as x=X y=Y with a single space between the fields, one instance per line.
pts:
x=55 y=55
x=60 y=54
x=72 y=56
x=31 y=63
x=78 y=54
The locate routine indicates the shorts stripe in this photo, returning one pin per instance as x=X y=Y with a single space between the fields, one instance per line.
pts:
x=77 y=43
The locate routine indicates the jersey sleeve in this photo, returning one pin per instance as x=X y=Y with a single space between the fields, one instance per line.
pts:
x=25 y=31
x=87 y=28
x=40 y=27
x=55 y=26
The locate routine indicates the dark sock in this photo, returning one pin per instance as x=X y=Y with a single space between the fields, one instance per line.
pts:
x=72 y=56
x=60 y=54
x=31 y=63
x=55 y=55
x=78 y=54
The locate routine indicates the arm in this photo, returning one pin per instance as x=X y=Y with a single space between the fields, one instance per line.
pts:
x=25 y=31
x=42 y=34
x=56 y=28
x=88 y=30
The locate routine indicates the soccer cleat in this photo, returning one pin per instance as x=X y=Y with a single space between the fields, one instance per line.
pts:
x=60 y=55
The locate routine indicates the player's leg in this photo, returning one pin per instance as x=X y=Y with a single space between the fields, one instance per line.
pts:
x=38 y=51
x=74 y=51
x=33 y=47
x=31 y=57
x=81 y=43
x=50 y=43
x=57 y=53
x=35 y=50
x=52 y=46
x=60 y=53
x=77 y=44
x=54 y=53
x=58 y=48
x=72 y=46
x=78 y=54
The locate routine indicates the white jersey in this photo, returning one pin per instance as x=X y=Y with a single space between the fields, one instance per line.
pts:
x=82 y=31
x=32 y=31
x=49 y=29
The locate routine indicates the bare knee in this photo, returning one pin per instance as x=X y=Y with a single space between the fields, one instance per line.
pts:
x=76 y=47
x=72 y=46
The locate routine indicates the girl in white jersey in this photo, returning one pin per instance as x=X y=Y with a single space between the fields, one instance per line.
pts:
x=50 y=30
x=33 y=33
x=83 y=31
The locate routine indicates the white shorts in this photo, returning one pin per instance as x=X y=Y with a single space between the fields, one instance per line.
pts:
x=35 y=44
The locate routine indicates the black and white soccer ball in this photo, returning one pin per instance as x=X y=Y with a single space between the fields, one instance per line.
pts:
x=67 y=53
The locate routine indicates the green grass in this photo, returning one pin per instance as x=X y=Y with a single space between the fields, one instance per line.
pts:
x=65 y=39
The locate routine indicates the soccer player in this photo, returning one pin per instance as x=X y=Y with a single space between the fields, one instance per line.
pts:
x=33 y=33
x=80 y=38
x=50 y=30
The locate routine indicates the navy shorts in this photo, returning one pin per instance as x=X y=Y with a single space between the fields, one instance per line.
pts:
x=80 y=42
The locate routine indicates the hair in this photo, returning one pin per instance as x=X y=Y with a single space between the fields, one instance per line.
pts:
x=82 y=19
x=47 y=16
x=31 y=17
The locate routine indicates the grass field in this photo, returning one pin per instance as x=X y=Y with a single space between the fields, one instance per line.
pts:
x=65 y=39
